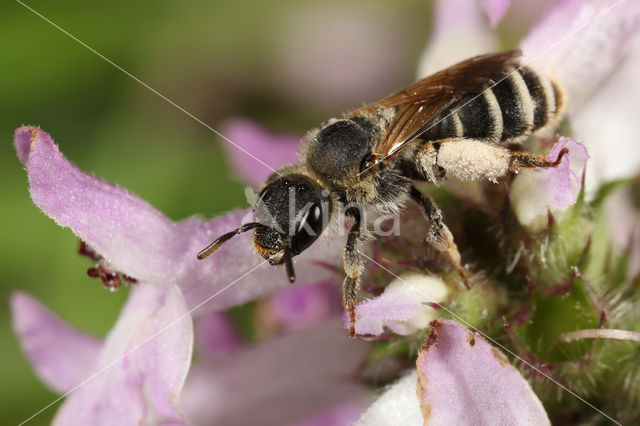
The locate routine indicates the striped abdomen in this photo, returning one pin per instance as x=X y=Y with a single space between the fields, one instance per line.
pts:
x=525 y=102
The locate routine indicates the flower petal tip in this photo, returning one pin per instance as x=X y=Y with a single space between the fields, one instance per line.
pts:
x=495 y=10
x=122 y=228
x=61 y=355
x=23 y=140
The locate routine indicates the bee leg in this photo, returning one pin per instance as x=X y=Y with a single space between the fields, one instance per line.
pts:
x=527 y=160
x=470 y=159
x=439 y=234
x=354 y=264
x=426 y=163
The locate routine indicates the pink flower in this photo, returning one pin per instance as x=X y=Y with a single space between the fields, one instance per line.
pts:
x=147 y=355
x=143 y=371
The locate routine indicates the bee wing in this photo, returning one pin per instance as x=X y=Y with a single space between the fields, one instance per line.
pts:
x=421 y=103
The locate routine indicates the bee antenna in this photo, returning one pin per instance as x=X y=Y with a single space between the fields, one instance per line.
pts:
x=226 y=237
x=288 y=264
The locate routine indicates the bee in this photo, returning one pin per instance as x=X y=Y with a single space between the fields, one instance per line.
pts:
x=451 y=123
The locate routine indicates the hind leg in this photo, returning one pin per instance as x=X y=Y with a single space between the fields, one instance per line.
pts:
x=527 y=161
x=469 y=159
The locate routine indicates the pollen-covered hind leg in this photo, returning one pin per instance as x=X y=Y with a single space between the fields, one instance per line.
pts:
x=470 y=159
x=439 y=234
x=354 y=264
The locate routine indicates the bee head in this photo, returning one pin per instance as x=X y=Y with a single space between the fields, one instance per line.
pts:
x=289 y=215
x=294 y=211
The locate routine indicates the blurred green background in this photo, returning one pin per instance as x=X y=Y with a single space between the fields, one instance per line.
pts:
x=285 y=64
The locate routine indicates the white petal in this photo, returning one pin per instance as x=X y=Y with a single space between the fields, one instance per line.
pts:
x=398 y=405
x=608 y=124
x=460 y=32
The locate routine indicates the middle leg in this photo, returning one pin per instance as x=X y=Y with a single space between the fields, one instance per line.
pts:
x=354 y=264
x=439 y=234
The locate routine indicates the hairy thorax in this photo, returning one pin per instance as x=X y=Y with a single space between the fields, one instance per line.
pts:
x=336 y=154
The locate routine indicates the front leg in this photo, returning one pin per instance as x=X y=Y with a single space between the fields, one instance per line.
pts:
x=439 y=234
x=354 y=263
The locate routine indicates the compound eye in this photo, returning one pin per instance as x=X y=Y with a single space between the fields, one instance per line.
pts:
x=308 y=229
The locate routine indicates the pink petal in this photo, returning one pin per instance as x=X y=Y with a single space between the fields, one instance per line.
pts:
x=280 y=381
x=341 y=414
x=398 y=405
x=523 y=14
x=402 y=306
x=533 y=192
x=564 y=180
x=141 y=242
x=460 y=32
x=215 y=335
x=143 y=366
x=495 y=9
x=61 y=355
x=121 y=227
x=273 y=149
x=234 y=274
x=581 y=41
x=299 y=307
x=463 y=380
